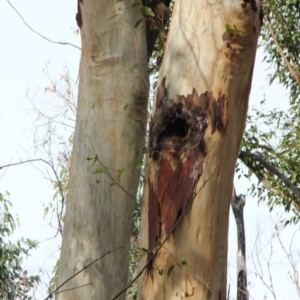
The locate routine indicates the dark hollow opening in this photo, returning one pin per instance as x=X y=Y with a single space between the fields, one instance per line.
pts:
x=176 y=128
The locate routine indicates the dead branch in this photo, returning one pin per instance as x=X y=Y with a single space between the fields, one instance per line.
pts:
x=56 y=176
x=81 y=270
x=40 y=35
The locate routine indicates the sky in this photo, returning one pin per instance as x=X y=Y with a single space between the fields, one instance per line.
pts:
x=23 y=79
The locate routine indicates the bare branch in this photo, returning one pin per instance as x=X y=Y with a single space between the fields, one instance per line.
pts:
x=109 y=175
x=84 y=268
x=272 y=169
x=54 y=171
x=40 y=35
x=289 y=66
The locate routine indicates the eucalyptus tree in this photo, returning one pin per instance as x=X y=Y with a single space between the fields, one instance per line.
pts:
x=270 y=147
x=110 y=128
x=195 y=133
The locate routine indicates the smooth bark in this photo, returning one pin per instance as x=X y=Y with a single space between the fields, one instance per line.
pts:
x=110 y=125
x=237 y=205
x=195 y=133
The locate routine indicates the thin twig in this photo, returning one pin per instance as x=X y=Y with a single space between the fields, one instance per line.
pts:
x=84 y=268
x=40 y=35
x=74 y=288
x=289 y=66
x=116 y=182
x=272 y=169
x=58 y=181
x=4 y=171
x=109 y=175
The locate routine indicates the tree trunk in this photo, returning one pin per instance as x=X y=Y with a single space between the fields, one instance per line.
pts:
x=237 y=205
x=110 y=127
x=195 y=134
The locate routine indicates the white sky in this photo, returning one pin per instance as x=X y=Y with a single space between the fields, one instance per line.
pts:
x=23 y=56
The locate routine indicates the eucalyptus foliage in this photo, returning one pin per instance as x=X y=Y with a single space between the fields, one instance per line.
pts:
x=15 y=282
x=280 y=39
x=271 y=143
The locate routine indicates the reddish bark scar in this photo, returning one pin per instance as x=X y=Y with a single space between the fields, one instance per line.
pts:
x=177 y=149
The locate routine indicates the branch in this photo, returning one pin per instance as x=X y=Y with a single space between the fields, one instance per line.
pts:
x=84 y=268
x=289 y=66
x=115 y=181
x=58 y=181
x=40 y=35
x=248 y=159
x=273 y=170
x=109 y=175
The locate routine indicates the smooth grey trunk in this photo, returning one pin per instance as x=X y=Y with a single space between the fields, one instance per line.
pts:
x=110 y=125
x=237 y=205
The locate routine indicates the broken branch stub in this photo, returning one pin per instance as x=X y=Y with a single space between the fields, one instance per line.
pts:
x=177 y=150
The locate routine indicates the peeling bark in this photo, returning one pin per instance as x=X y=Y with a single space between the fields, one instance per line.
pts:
x=195 y=133
x=177 y=150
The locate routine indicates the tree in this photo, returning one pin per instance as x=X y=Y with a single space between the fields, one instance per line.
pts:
x=15 y=282
x=110 y=129
x=271 y=141
x=265 y=170
x=195 y=133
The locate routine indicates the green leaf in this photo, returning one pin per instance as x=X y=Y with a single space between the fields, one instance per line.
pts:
x=157 y=244
x=138 y=164
x=140 y=122
x=135 y=66
x=170 y=270
x=160 y=271
x=184 y=263
x=121 y=173
x=138 y=22
x=147 y=11
x=136 y=4
x=95 y=159
x=100 y=170
x=46 y=210
x=227 y=27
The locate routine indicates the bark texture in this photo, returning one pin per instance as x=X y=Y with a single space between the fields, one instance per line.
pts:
x=195 y=133
x=111 y=122
x=237 y=205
